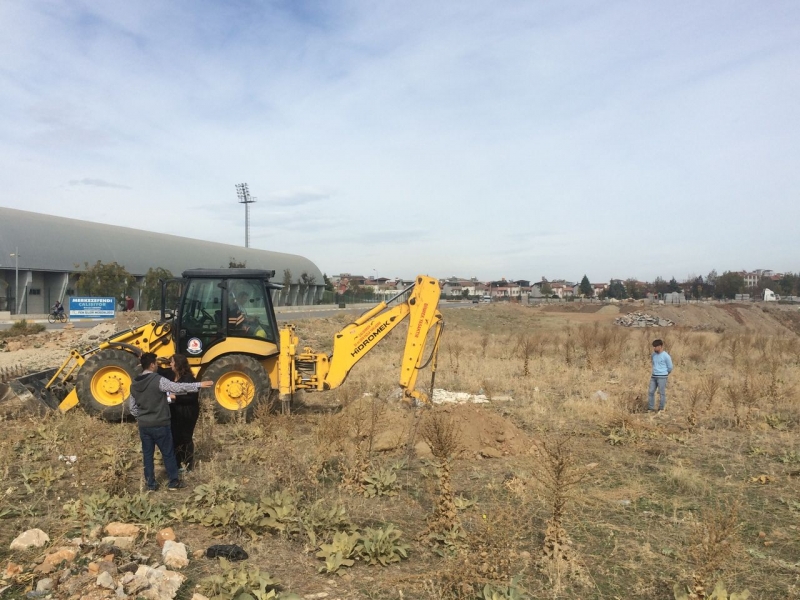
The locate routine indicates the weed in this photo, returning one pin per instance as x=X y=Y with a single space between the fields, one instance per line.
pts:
x=339 y=553
x=441 y=433
x=380 y=482
x=713 y=544
x=241 y=582
x=454 y=350
x=382 y=545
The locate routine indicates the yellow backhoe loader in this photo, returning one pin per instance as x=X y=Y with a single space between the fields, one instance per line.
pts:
x=224 y=323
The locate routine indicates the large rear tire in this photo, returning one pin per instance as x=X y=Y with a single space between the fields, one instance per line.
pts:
x=104 y=382
x=240 y=383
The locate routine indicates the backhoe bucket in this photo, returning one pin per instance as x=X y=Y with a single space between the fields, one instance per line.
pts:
x=28 y=394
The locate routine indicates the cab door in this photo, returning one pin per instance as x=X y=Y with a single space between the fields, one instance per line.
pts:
x=201 y=317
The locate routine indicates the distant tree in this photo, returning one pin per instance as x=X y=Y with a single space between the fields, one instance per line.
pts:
x=547 y=290
x=788 y=284
x=287 y=278
x=234 y=264
x=633 y=289
x=616 y=290
x=151 y=289
x=465 y=293
x=696 y=288
x=711 y=278
x=728 y=285
x=585 y=287
x=306 y=281
x=673 y=286
x=328 y=283
x=354 y=287
x=660 y=286
x=105 y=280
x=764 y=283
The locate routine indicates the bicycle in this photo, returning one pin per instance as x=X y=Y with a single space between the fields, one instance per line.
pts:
x=57 y=316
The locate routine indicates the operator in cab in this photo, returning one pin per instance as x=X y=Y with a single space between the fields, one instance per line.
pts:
x=239 y=323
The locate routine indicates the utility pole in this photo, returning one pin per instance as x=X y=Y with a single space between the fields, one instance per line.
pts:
x=243 y=193
x=15 y=255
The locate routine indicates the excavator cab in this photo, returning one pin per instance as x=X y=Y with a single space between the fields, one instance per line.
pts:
x=217 y=304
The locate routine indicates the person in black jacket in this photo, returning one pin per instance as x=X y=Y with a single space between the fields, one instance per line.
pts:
x=149 y=404
x=184 y=410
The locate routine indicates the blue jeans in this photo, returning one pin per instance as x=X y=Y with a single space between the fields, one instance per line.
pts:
x=659 y=382
x=161 y=437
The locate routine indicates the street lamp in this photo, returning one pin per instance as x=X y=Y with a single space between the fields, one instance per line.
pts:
x=15 y=256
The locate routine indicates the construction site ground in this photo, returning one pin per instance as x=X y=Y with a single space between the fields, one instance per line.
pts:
x=647 y=488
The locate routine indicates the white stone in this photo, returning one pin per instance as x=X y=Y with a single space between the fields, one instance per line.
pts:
x=164 y=584
x=105 y=580
x=31 y=538
x=174 y=555
x=44 y=585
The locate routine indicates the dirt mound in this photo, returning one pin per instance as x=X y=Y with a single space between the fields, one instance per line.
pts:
x=721 y=317
x=482 y=428
x=483 y=432
x=575 y=307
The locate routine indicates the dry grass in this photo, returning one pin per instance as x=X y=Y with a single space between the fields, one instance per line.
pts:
x=654 y=511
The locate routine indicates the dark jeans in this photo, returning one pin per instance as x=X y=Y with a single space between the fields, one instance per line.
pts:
x=184 y=418
x=161 y=437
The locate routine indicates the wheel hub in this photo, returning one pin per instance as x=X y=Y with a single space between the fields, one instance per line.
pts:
x=234 y=390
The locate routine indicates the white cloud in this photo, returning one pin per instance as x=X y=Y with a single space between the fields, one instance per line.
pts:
x=518 y=139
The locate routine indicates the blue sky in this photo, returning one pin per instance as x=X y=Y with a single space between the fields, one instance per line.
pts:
x=489 y=139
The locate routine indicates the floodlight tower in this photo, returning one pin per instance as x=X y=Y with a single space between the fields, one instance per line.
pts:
x=243 y=192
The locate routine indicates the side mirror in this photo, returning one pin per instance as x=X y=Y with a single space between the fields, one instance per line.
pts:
x=169 y=314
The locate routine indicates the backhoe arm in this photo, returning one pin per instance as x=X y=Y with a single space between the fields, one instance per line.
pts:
x=314 y=371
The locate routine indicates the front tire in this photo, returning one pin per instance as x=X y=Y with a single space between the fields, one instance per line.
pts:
x=104 y=382
x=240 y=383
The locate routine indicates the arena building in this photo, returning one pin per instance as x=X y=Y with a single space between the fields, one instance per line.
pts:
x=46 y=254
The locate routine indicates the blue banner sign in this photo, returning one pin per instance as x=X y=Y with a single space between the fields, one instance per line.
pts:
x=84 y=307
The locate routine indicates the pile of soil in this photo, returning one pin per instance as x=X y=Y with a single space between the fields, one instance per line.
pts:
x=720 y=317
x=483 y=432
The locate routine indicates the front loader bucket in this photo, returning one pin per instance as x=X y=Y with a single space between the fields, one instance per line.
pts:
x=28 y=394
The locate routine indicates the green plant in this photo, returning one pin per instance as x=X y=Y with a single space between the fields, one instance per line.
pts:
x=380 y=482
x=789 y=457
x=512 y=591
x=95 y=508
x=280 y=512
x=382 y=546
x=448 y=542
x=140 y=508
x=339 y=552
x=209 y=494
x=243 y=582
x=46 y=476
x=20 y=328
x=321 y=521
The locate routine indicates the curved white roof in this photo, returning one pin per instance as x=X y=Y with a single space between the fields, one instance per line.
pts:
x=48 y=243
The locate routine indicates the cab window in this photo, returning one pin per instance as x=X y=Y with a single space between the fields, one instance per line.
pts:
x=248 y=314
